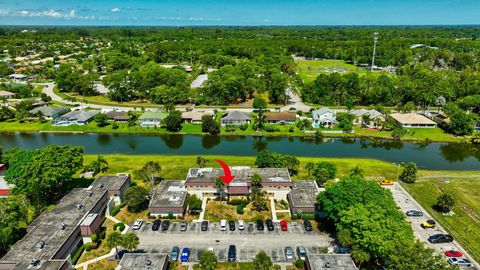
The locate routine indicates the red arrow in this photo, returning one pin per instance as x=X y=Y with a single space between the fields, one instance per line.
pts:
x=228 y=177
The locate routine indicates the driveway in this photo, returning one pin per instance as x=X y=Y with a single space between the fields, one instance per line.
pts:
x=295 y=102
x=406 y=202
x=248 y=242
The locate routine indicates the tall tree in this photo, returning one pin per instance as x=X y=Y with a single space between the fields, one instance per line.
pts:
x=409 y=173
x=208 y=261
x=262 y=261
x=151 y=171
x=130 y=241
x=114 y=239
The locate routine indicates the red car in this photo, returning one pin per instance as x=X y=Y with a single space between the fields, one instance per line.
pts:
x=283 y=225
x=453 y=253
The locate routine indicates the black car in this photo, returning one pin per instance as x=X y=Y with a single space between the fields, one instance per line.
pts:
x=231 y=225
x=308 y=225
x=204 y=225
x=165 y=225
x=270 y=225
x=156 y=225
x=260 y=226
x=440 y=238
x=232 y=253
x=414 y=213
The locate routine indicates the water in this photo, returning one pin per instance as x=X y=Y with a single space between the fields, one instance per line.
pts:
x=434 y=156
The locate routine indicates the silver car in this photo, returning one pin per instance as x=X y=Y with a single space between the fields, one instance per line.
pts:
x=289 y=254
x=183 y=226
x=301 y=252
x=459 y=262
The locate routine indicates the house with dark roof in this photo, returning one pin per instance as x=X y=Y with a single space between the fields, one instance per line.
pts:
x=78 y=117
x=236 y=118
x=151 y=119
x=281 y=118
x=324 y=117
x=117 y=116
x=50 y=112
x=303 y=197
x=169 y=198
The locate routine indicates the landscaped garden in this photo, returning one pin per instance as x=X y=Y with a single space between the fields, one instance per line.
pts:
x=218 y=210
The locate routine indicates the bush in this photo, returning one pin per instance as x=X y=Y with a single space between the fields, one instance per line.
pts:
x=170 y=216
x=237 y=202
x=77 y=254
x=120 y=226
x=88 y=247
x=244 y=127
x=269 y=128
x=230 y=129
x=309 y=216
x=240 y=209
x=94 y=237
x=102 y=234
x=291 y=128
x=114 y=211
x=299 y=263
x=115 y=126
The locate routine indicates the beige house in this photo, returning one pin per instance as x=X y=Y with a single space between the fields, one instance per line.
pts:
x=413 y=120
x=194 y=117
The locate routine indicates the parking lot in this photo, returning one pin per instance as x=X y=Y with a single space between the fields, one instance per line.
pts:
x=406 y=202
x=249 y=241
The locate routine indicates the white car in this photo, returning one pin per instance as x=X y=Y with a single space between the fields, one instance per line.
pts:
x=301 y=252
x=289 y=254
x=137 y=224
x=223 y=225
x=459 y=262
x=241 y=225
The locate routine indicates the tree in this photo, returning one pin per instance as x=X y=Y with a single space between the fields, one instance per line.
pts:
x=256 y=179
x=425 y=258
x=208 y=261
x=210 y=125
x=259 y=122
x=194 y=203
x=259 y=103
x=360 y=256
x=259 y=199
x=173 y=122
x=100 y=164
x=101 y=119
x=13 y=217
x=6 y=113
x=114 y=239
x=356 y=171
x=409 y=173
x=310 y=167
x=220 y=185
x=445 y=202
x=267 y=159
x=398 y=132
x=201 y=161
x=475 y=138
x=262 y=261
x=130 y=241
x=136 y=199
x=345 y=125
x=460 y=123
x=151 y=171
x=324 y=171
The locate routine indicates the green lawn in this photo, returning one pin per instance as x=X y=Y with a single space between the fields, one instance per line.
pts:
x=464 y=226
x=310 y=69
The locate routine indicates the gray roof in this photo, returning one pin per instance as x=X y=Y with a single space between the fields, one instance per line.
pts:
x=237 y=115
x=242 y=174
x=170 y=193
x=5 y=93
x=372 y=113
x=317 y=113
x=80 y=115
x=49 y=111
x=304 y=193
x=46 y=226
x=143 y=261
x=330 y=261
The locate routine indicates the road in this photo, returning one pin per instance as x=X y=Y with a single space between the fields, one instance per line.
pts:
x=295 y=102
x=406 y=202
x=248 y=242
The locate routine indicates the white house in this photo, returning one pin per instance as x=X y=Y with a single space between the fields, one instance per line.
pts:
x=324 y=117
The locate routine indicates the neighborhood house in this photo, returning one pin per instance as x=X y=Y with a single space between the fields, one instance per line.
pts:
x=280 y=118
x=194 y=117
x=50 y=112
x=151 y=119
x=79 y=117
x=413 y=120
x=236 y=118
x=368 y=118
x=324 y=117
x=117 y=116
x=6 y=94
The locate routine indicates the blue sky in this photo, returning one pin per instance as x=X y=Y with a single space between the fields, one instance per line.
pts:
x=243 y=12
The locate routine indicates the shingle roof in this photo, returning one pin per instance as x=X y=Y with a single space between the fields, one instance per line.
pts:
x=153 y=115
x=80 y=115
x=236 y=115
x=5 y=93
x=280 y=116
x=49 y=110
x=412 y=118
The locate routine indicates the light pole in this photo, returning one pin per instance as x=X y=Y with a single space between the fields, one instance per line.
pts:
x=375 y=40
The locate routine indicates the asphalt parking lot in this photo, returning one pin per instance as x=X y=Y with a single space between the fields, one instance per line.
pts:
x=248 y=242
x=406 y=202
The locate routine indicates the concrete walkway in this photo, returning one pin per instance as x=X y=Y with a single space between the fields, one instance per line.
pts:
x=274 y=211
x=84 y=265
x=112 y=218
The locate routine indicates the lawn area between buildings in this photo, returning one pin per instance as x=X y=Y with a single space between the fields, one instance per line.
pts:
x=216 y=211
x=464 y=225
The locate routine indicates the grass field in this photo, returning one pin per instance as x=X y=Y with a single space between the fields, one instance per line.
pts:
x=216 y=211
x=464 y=226
x=310 y=69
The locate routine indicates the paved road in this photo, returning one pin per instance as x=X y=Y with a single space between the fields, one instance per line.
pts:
x=248 y=242
x=406 y=202
x=295 y=102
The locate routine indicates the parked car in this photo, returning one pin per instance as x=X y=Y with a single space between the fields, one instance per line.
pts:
x=165 y=225
x=429 y=224
x=270 y=225
x=459 y=262
x=137 y=224
x=440 y=238
x=260 y=226
x=288 y=253
x=232 y=253
x=342 y=250
x=183 y=226
x=204 y=226
x=301 y=252
x=156 y=224
x=241 y=225
x=223 y=225
x=231 y=225
x=185 y=255
x=283 y=225
x=308 y=225
x=414 y=213
x=174 y=254
x=387 y=183
x=453 y=253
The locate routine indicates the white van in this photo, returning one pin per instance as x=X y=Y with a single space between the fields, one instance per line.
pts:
x=223 y=225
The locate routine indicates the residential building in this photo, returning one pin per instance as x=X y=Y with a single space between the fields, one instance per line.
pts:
x=169 y=198
x=413 y=120
x=374 y=117
x=280 y=118
x=56 y=234
x=18 y=77
x=5 y=188
x=151 y=119
x=194 y=117
x=236 y=118
x=324 y=117
x=78 y=117
x=117 y=116
x=303 y=197
x=6 y=94
x=50 y=112
x=329 y=261
x=143 y=261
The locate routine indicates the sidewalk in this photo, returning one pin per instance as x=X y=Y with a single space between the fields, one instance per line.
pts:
x=84 y=265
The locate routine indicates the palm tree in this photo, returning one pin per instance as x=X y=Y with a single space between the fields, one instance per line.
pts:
x=114 y=239
x=260 y=120
x=256 y=179
x=99 y=165
x=310 y=167
x=220 y=185
x=360 y=256
x=130 y=241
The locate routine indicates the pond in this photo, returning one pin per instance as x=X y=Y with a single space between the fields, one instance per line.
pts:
x=434 y=156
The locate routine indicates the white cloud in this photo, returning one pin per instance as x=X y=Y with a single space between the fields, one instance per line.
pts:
x=72 y=14
x=115 y=10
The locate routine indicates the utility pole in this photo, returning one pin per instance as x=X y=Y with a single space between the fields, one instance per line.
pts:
x=375 y=40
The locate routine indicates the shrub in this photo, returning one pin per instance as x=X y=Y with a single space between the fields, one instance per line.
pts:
x=77 y=254
x=269 y=129
x=299 y=263
x=230 y=129
x=240 y=209
x=120 y=226
x=102 y=234
x=291 y=129
x=88 y=247
x=244 y=127
x=115 y=126
x=94 y=237
x=309 y=216
x=170 y=216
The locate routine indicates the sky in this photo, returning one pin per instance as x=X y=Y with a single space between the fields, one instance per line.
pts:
x=239 y=12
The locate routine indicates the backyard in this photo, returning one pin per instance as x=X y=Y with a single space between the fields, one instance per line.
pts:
x=216 y=211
